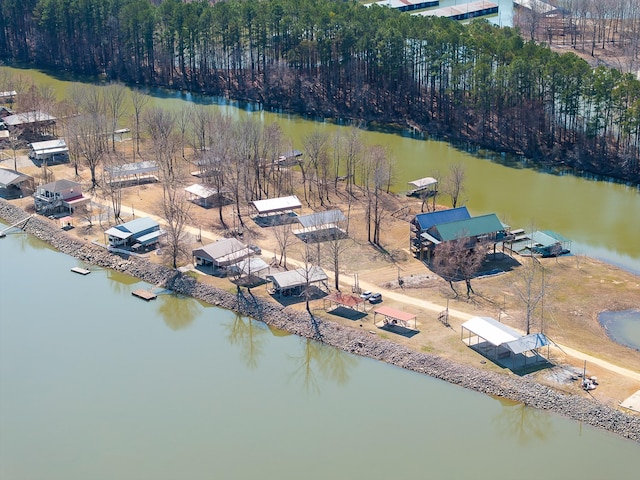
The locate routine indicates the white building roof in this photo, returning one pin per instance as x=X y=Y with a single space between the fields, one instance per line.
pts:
x=50 y=146
x=27 y=117
x=271 y=205
x=491 y=330
x=423 y=182
x=202 y=191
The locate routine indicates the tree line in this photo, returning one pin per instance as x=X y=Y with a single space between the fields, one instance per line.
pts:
x=476 y=83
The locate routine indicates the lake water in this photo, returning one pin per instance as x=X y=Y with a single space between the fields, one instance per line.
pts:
x=623 y=327
x=97 y=384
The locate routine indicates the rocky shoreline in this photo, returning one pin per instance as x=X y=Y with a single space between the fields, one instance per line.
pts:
x=350 y=340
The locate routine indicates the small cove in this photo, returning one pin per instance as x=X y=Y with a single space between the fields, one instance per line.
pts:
x=622 y=327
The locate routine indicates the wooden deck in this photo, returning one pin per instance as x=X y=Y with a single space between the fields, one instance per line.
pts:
x=144 y=294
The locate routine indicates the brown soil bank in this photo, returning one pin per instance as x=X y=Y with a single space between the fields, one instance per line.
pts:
x=351 y=340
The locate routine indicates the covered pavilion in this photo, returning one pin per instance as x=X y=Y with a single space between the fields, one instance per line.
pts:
x=320 y=226
x=352 y=302
x=276 y=205
x=205 y=195
x=502 y=343
x=395 y=317
x=130 y=172
x=293 y=282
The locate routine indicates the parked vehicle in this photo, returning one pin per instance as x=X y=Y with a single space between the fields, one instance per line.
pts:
x=375 y=298
x=366 y=295
x=256 y=249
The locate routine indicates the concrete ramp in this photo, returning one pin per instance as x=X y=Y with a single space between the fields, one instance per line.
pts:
x=633 y=402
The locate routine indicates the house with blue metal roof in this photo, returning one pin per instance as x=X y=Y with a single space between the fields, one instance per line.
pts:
x=137 y=234
x=431 y=229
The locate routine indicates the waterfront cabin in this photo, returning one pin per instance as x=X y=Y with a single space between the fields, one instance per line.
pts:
x=221 y=254
x=428 y=230
x=141 y=233
x=59 y=196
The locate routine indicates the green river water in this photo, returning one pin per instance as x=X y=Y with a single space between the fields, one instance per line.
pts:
x=96 y=384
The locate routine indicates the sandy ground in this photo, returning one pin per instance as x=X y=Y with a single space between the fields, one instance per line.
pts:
x=582 y=287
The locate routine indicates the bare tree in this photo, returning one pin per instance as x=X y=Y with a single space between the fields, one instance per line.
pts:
x=315 y=146
x=454 y=183
x=160 y=124
x=87 y=130
x=530 y=286
x=139 y=101
x=459 y=260
x=114 y=96
x=111 y=188
x=285 y=238
x=175 y=211
x=337 y=247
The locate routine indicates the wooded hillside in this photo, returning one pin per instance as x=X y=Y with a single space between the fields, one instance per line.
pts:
x=333 y=58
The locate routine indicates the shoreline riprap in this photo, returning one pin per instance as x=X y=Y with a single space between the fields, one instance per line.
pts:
x=350 y=340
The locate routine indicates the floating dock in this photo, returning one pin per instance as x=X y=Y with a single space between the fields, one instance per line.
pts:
x=144 y=294
x=81 y=271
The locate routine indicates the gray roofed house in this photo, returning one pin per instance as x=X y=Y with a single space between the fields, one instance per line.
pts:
x=59 y=196
x=222 y=253
x=13 y=178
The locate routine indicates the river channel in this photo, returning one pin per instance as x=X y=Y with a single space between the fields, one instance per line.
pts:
x=96 y=384
x=601 y=218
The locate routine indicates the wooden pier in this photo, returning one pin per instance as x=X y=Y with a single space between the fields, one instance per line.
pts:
x=81 y=271
x=144 y=294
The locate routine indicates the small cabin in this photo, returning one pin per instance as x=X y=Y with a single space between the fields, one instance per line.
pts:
x=137 y=234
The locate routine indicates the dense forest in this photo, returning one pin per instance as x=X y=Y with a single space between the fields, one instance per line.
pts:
x=332 y=58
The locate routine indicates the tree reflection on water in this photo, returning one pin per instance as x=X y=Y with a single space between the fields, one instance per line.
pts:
x=318 y=358
x=523 y=423
x=249 y=334
x=177 y=311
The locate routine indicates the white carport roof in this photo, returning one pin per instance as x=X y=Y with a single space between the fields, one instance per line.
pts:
x=491 y=330
x=203 y=191
x=251 y=265
x=280 y=204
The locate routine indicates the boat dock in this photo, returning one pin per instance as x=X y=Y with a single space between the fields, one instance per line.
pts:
x=144 y=294
x=81 y=271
